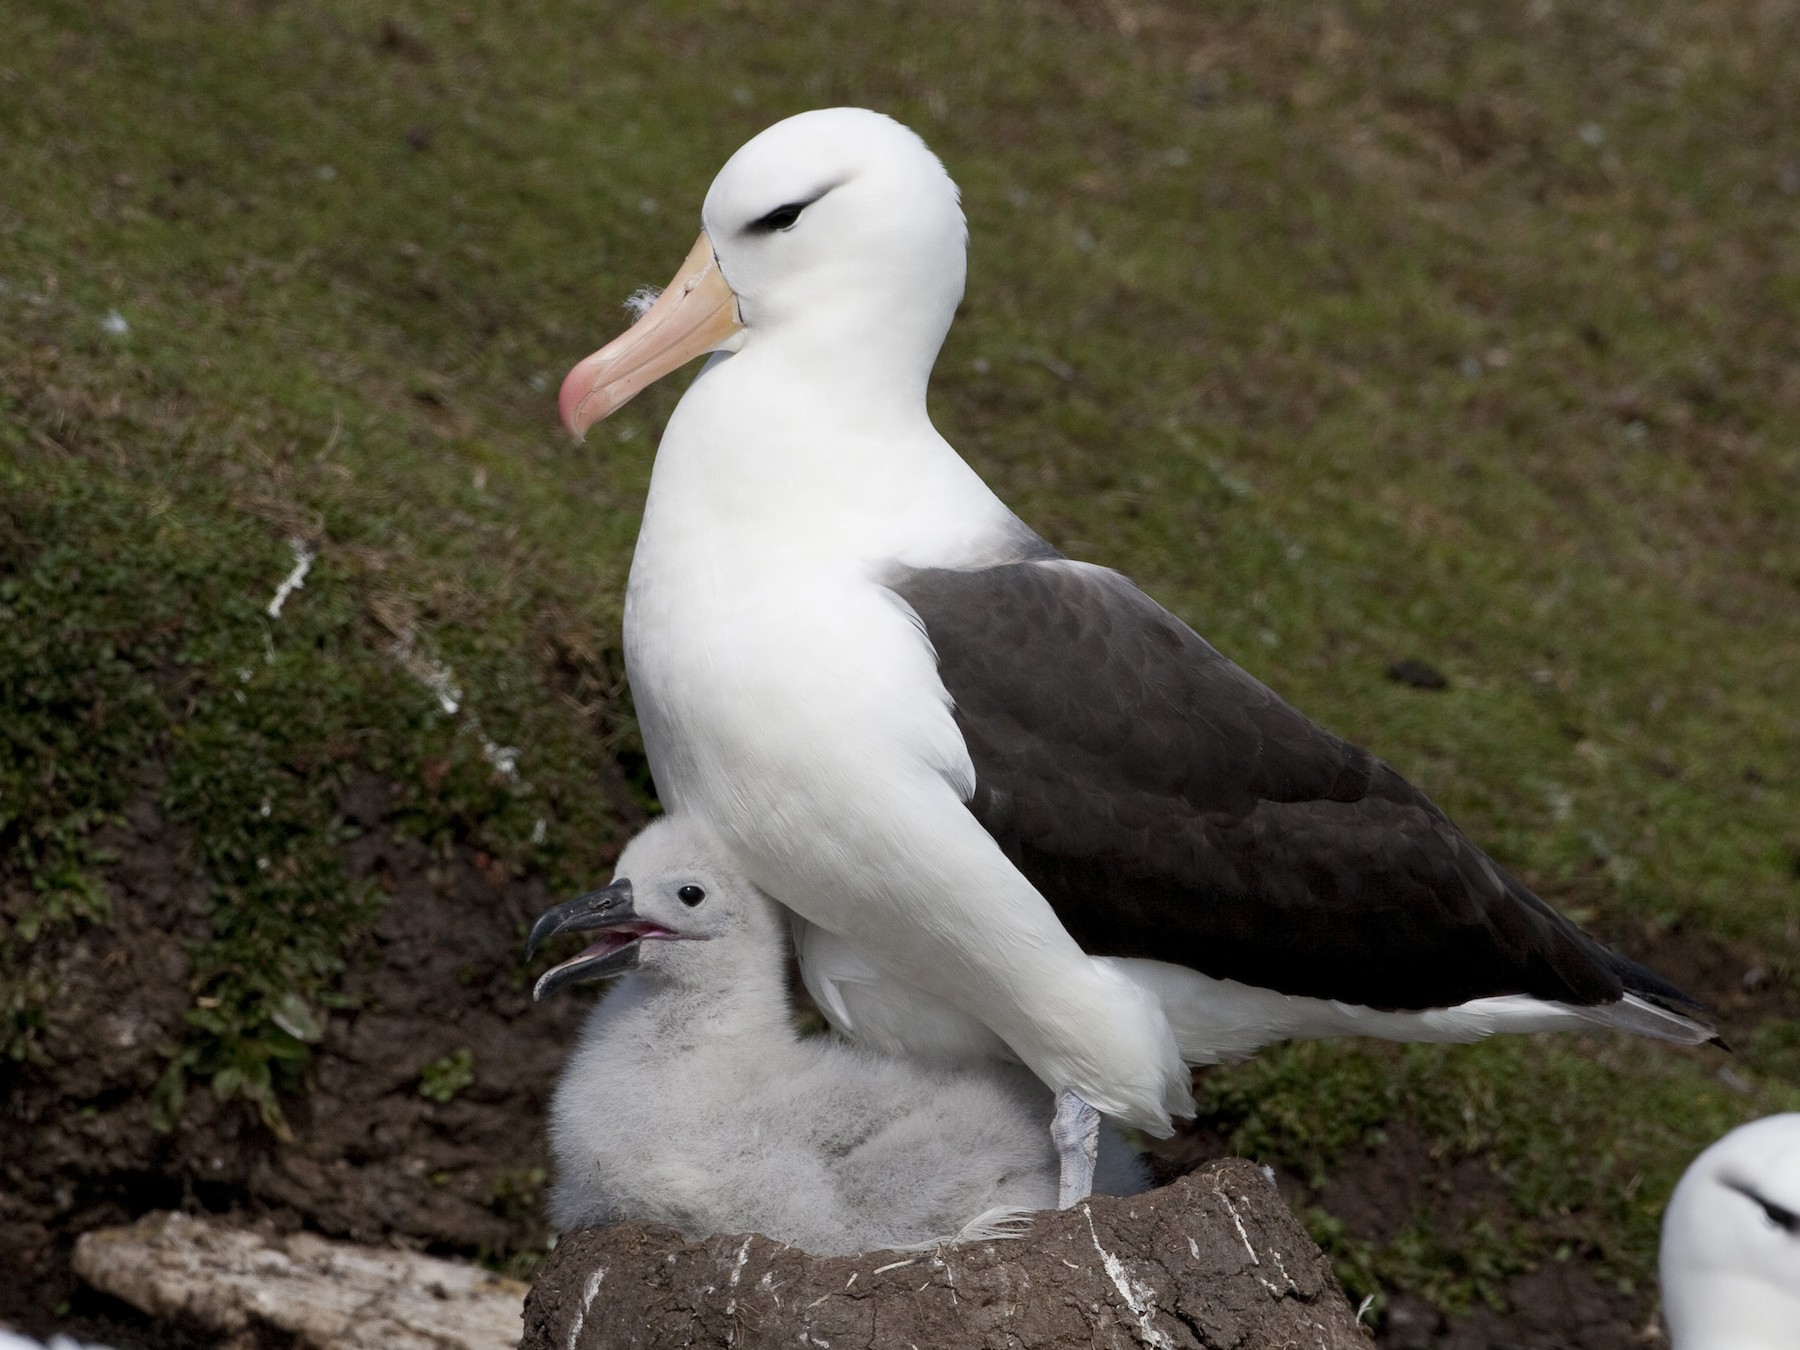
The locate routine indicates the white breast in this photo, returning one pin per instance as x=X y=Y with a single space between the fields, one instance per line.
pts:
x=791 y=700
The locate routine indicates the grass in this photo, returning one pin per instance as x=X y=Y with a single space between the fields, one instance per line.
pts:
x=139 y=658
x=1356 y=332
x=1583 y=1141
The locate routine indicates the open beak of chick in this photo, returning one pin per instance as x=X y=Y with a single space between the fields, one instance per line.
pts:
x=607 y=912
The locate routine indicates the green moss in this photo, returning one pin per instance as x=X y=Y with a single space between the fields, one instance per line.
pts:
x=82 y=652
x=442 y=1079
x=138 y=660
x=1304 y=1105
x=1453 y=1268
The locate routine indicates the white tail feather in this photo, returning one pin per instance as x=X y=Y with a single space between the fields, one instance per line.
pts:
x=1632 y=1013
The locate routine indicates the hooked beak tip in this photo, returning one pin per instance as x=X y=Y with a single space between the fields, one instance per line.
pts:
x=607 y=910
x=695 y=314
x=571 y=402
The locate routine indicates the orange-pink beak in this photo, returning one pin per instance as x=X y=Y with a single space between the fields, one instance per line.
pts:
x=694 y=315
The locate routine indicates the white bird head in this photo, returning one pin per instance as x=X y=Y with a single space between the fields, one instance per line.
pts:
x=674 y=910
x=832 y=229
x=1730 y=1262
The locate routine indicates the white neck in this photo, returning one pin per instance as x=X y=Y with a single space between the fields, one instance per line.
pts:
x=763 y=463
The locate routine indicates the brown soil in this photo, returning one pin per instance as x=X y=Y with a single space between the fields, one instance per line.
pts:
x=374 y=1160
x=371 y=1158
x=1215 y=1260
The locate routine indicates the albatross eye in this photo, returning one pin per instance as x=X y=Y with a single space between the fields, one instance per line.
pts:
x=1780 y=1215
x=781 y=218
x=690 y=895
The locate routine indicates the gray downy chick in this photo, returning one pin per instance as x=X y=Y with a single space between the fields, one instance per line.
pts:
x=691 y=1099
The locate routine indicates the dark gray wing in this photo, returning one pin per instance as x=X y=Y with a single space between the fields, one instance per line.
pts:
x=1169 y=805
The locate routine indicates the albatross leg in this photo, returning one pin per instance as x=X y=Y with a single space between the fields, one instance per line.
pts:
x=1076 y=1134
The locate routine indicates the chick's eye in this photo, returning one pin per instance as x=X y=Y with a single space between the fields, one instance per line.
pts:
x=690 y=895
x=781 y=218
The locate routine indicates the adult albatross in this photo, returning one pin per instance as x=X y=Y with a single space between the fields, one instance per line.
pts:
x=1033 y=811
x=1730 y=1260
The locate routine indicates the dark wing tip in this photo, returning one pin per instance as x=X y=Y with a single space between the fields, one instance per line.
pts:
x=1641 y=980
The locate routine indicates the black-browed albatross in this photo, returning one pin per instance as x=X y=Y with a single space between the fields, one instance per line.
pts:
x=1730 y=1259
x=1026 y=809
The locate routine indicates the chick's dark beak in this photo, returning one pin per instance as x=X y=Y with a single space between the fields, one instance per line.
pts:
x=607 y=911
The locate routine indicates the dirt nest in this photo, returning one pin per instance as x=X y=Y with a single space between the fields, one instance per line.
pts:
x=1214 y=1260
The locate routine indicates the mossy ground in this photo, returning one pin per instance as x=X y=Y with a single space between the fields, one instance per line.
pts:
x=1355 y=332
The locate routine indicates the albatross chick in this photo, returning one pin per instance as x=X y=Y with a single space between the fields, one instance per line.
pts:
x=691 y=1100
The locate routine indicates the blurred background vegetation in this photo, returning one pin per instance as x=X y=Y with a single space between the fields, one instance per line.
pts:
x=1358 y=333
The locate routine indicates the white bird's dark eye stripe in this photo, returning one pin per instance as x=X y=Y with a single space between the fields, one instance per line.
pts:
x=1782 y=1218
x=781 y=218
x=1779 y=1215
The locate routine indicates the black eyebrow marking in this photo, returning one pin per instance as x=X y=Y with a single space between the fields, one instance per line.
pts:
x=1779 y=1215
x=782 y=217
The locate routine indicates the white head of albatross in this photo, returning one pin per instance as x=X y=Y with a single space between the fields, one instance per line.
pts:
x=691 y=1100
x=835 y=236
x=1034 y=812
x=1730 y=1264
